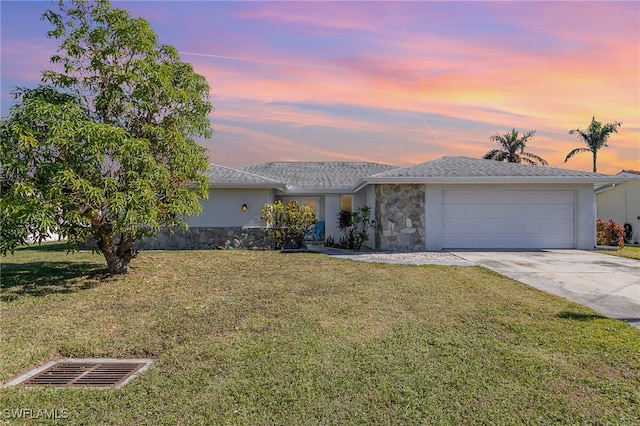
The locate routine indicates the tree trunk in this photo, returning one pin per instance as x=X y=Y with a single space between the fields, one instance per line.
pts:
x=118 y=256
x=116 y=264
x=595 y=155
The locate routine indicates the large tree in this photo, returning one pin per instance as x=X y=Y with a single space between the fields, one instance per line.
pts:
x=105 y=149
x=511 y=150
x=595 y=136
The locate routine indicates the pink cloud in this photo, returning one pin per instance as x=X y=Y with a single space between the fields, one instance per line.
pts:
x=331 y=15
x=25 y=59
x=323 y=67
x=531 y=106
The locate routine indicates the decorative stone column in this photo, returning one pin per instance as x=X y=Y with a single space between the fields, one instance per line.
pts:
x=400 y=217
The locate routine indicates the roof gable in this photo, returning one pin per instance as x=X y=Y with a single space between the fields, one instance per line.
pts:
x=629 y=174
x=474 y=167
x=474 y=170
x=221 y=176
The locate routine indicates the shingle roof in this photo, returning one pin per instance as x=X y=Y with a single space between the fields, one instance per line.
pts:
x=473 y=169
x=318 y=175
x=631 y=174
x=336 y=176
x=624 y=176
x=225 y=176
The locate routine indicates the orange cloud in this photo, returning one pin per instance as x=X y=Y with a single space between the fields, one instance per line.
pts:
x=403 y=82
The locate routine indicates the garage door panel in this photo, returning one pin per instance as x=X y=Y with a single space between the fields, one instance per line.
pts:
x=531 y=210
x=509 y=225
x=508 y=219
x=508 y=197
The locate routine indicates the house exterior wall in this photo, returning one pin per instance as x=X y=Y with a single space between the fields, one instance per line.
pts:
x=400 y=217
x=433 y=211
x=207 y=238
x=370 y=200
x=223 y=208
x=365 y=196
x=324 y=203
x=329 y=206
x=410 y=216
x=301 y=198
x=585 y=217
x=622 y=205
x=221 y=220
x=332 y=207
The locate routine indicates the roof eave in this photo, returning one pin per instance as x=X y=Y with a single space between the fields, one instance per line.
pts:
x=240 y=185
x=493 y=180
x=358 y=186
x=315 y=191
x=603 y=188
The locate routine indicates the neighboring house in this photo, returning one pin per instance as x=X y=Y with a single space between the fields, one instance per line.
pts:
x=450 y=203
x=621 y=202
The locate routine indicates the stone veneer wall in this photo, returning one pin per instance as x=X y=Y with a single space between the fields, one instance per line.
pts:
x=199 y=238
x=400 y=218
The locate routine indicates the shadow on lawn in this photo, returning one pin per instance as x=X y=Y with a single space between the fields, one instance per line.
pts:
x=41 y=278
x=580 y=317
x=44 y=247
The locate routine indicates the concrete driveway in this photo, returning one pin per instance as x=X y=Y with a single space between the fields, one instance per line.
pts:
x=608 y=284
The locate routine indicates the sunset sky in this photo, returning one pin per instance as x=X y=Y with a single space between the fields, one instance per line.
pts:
x=391 y=82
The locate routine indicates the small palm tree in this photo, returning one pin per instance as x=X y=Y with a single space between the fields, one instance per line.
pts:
x=595 y=137
x=513 y=149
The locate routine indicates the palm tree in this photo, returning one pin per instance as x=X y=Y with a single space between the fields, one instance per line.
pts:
x=595 y=137
x=513 y=149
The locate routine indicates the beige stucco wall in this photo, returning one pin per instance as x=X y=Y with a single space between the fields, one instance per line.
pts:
x=622 y=205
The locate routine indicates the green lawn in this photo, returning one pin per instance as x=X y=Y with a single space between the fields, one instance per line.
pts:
x=244 y=337
x=632 y=252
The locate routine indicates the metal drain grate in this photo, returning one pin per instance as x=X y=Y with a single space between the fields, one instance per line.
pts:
x=98 y=373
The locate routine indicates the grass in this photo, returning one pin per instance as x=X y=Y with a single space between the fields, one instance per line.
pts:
x=632 y=252
x=244 y=337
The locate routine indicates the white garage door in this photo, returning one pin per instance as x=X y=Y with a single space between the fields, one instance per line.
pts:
x=508 y=219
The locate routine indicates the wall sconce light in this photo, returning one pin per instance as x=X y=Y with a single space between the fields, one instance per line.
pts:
x=244 y=208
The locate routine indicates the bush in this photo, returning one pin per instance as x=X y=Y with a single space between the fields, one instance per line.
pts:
x=287 y=225
x=355 y=227
x=609 y=233
x=344 y=219
x=329 y=242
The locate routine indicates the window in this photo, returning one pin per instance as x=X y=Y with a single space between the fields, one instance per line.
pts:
x=346 y=203
x=307 y=202
x=311 y=202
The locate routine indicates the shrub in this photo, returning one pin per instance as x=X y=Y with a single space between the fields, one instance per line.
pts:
x=355 y=227
x=609 y=233
x=344 y=219
x=329 y=242
x=287 y=225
